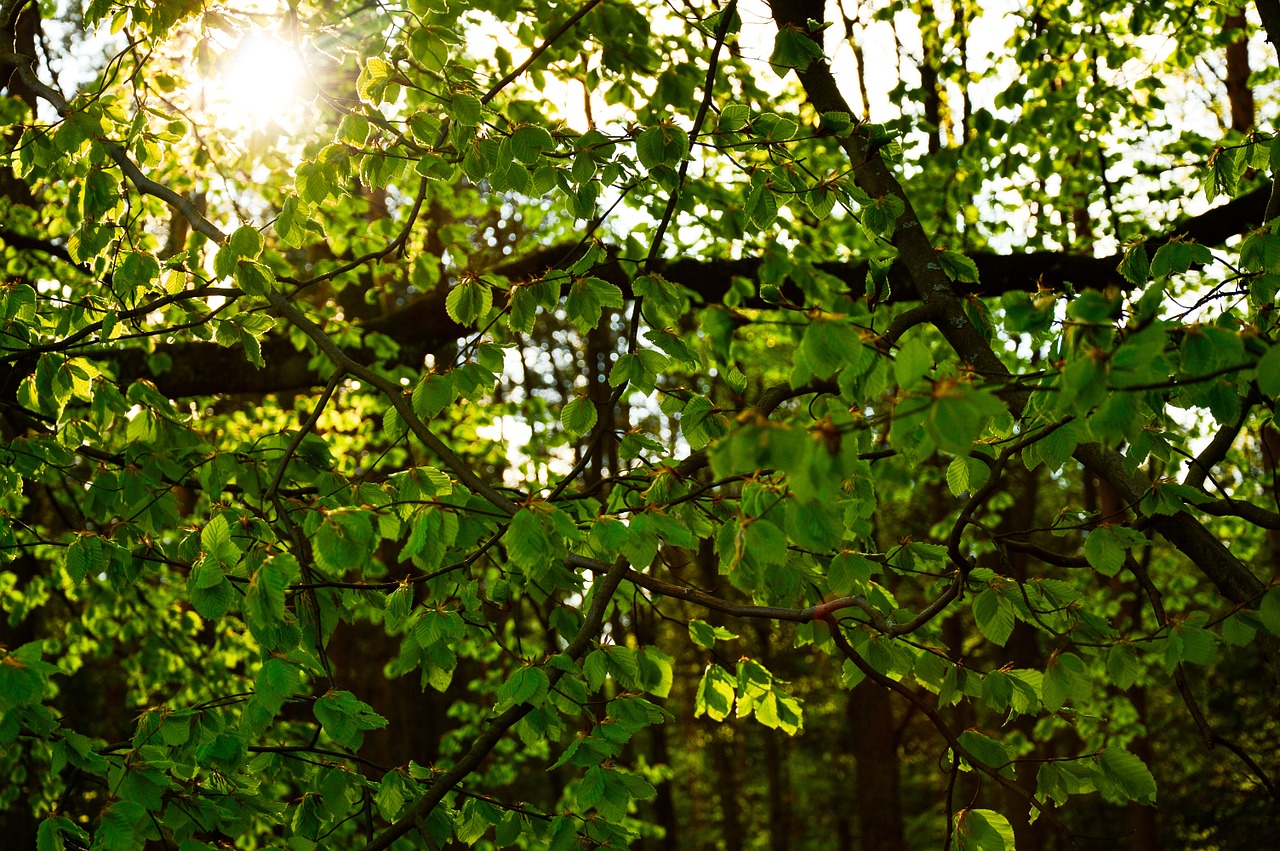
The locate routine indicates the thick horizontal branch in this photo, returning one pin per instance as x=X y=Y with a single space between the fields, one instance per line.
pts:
x=825 y=611
x=423 y=325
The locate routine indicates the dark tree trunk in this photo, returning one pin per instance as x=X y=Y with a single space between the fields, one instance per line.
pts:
x=664 y=803
x=1270 y=445
x=599 y=349
x=929 y=74
x=1143 y=831
x=1239 y=92
x=877 y=787
x=777 y=781
x=962 y=15
x=728 y=769
x=18 y=824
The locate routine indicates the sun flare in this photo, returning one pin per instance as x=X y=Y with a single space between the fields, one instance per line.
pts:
x=257 y=82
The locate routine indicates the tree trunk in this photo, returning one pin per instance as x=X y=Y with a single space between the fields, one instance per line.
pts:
x=1239 y=93
x=1143 y=832
x=777 y=781
x=929 y=74
x=877 y=792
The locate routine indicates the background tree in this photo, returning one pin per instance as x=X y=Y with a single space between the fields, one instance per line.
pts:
x=682 y=426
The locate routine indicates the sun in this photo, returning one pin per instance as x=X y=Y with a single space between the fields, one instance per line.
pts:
x=256 y=82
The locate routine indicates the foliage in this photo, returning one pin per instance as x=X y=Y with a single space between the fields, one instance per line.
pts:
x=555 y=419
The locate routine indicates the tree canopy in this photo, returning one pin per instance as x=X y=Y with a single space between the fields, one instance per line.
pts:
x=621 y=423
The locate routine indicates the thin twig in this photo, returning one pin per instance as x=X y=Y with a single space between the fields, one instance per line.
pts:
x=943 y=728
x=602 y=592
x=538 y=51
x=296 y=441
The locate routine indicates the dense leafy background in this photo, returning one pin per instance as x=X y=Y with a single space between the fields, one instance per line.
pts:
x=594 y=425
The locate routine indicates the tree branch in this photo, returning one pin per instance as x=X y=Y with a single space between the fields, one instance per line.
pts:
x=953 y=741
x=1231 y=576
x=1269 y=13
x=423 y=325
x=601 y=593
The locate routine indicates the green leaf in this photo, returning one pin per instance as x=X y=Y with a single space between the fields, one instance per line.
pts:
x=1269 y=610
x=215 y=540
x=1269 y=372
x=1057 y=446
x=997 y=690
x=774 y=128
x=527 y=685
x=986 y=750
x=733 y=116
x=578 y=416
x=623 y=665
x=994 y=616
x=982 y=830
x=911 y=363
x=564 y=834
x=716 y=693
x=592 y=788
x=1105 y=550
x=587 y=299
x=246 y=242
x=277 y=681
x=466 y=109
x=101 y=194
x=958 y=267
x=372 y=80
x=1175 y=258
x=1134 y=266
x=881 y=215
x=529 y=142
x=433 y=394
x=794 y=49
x=1130 y=774
x=837 y=123
x=1122 y=666
x=1065 y=678
x=766 y=544
x=640 y=370
x=850 y=573
x=52 y=833
x=527 y=541
x=958 y=475
x=828 y=344
x=22 y=677
x=469 y=301
x=705 y=635
x=344 y=541
x=391 y=795
x=121 y=827
x=958 y=415
x=253 y=278
x=762 y=209
x=137 y=271
x=664 y=144
x=211 y=597
x=1237 y=631
x=264 y=598
x=345 y=718
x=509 y=830
x=86 y=556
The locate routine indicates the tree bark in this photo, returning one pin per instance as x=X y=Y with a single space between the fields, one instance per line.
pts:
x=1239 y=92
x=1141 y=820
x=877 y=787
